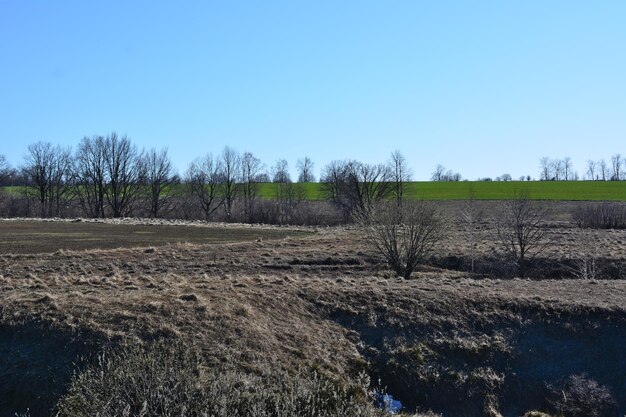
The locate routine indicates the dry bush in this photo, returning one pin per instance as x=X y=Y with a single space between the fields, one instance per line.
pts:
x=580 y=396
x=521 y=229
x=584 y=259
x=167 y=381
x=606 y=215
x=405 y=235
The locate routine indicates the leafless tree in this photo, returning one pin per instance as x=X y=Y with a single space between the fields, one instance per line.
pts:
x=616 y=167
x=400 y=174
x=356 y=187
x=157 y=168
x=251 y=167
x=305 y=170
x=90 y=176
x=568 y=168
x=48 y=169
x=289 y=197
x=545 y=164
x=230 y=172
x=123 y=170
x=281 y=172
x=604 y=170
x=404 y=235
x=470 y=217
x=557 y=169
x=591 y=170
x=439 y=173
x=4 y=166
x=522 y=230
x=204 y=180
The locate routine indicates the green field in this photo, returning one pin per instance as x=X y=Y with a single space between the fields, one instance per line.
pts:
x=539 y=190
x=482 y=190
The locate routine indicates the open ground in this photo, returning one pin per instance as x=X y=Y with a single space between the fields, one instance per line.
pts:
x=279 y=301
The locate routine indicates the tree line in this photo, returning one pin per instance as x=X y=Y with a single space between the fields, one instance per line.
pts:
x=108 y=176
x=562 y=169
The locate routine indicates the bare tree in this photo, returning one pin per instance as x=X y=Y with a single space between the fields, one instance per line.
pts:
x=400 y=175
x=204 y=180
x=354 y=186
x=439 y=173
x=90 y=176
x=404 y=235
x=335 y=186
x=157 y=168
x=4 y=166
x=281 y=172
x=616 y=167
x=123 y=170
x=522 y=230
x=470 y=217
x=568 y=168
x=289 y=196
x=545 y=169
x=591 y=170
x=557 y=169
x=48 y=169
x=231 y=170
x=305 y=170
x=251 y=167
x=604 y=170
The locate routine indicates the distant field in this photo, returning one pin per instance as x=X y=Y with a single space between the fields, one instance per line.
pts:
x=428 y=190
x=540 y=190
x=19 y=237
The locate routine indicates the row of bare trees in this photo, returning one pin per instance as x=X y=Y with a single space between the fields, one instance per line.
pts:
x=355 y=187
x=615 y=170
x=105 y=173
x=109 y=176
x=563 y=169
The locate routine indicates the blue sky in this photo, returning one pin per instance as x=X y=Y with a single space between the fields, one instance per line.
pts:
x=482 y=87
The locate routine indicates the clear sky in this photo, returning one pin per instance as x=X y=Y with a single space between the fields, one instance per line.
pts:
x=482 y=87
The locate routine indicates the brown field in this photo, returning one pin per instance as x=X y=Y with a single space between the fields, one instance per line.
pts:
x=273 y=301
x=23 y=236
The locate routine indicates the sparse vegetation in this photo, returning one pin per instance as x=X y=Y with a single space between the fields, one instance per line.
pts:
x=605 y=215
x=404 y=235
x=581 y=396
x=270 y=307
x=521 y=228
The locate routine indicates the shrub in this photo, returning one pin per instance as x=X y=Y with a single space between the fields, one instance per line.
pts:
x=580 y=396
x=521 y=229
x=170 y=381
x=405 y=235
x=606 y=215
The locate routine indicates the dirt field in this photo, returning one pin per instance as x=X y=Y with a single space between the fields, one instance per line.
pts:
x=24 y=236
x=320 y=301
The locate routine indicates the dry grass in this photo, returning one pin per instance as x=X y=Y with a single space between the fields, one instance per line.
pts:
x=323 y=303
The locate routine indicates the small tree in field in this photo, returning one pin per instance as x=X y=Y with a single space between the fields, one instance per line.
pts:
x=404 y=235
x=521 y=229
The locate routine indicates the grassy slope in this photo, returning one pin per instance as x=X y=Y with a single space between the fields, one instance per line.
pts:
x=428 y=190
